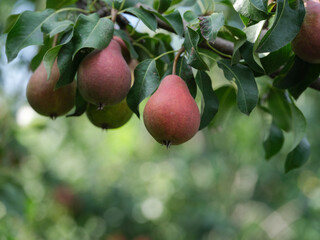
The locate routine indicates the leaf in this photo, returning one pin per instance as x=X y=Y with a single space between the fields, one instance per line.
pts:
x=239 y=38
x=174 y=19
x=54 y=4
x=163 y=5
x=249 y=10
x=54 y=26
x=285 y=27
x=11 y=21
x=36 y=60
x=92 y=32
x=260 y=5
x=247 y=92
x=146 y=17
x=80 y=104
x=298 y=156
x=273 y=144
x=52 y=53
x=246 y=51
x=210 y=25
x=146 y=81
x=210 y=100
x=300 y=76
x=26 y=31
x=280 y=109
x=185 y=72
x=191 y=45
x=190 y=17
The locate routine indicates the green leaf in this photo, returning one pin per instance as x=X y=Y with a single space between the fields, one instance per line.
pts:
x=276 y=59
x=298 y=156
x=146 y=81
x=52 y=53
x=146 y=17
x=210 y=25
x=11 y=21
x=92 y=32
x=273 y=144
x=247 y=92
x=120 y=33
x=210 y=100
x=163 y=5
x=190 y=17
x=185 y=72
x=280 y=109
x=246 y=51
x=26 y=31
x=54 y=26
x=191 y=45
x=54 y=4
x=36 y=60
x=174 y=19
x=285 y=27
x=249 y=10
x=300 y=76
x=81 y=105
x=260 y=5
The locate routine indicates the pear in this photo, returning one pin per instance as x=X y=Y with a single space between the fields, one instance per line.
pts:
x=111 y=116
x=306 y=44
x=44 y=99
x=104 y=77
x=171 y=115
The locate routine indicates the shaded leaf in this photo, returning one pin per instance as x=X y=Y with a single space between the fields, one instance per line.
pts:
x=80 y=104
x=54 y=4
x=298 y=156
x=249 y=10
x=210 y=100
x=247 y=92
x=285 y=27
x=146 y=81
x=191 y=45
x=273 y=144
x=11 y=21
x=54 y=26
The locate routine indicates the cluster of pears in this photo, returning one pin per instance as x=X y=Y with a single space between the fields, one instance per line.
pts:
x=104 y=80
x=306 y=44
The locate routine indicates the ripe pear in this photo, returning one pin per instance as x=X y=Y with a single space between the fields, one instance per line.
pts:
x=111 y=116
x=44 y=99
x=104 y=77
x=306 y=44
x=171 y=115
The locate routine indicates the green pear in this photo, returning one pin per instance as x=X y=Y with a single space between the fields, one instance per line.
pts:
x=44 y=99
x=111 y=116
x=171 y=115
x=306 y=44
x=104 y=77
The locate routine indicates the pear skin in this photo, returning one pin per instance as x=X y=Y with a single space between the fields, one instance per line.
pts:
x=124 y=50
x=104 y=77
x=306 y=44
x=44 y=99
x=171 y=115
x=111 y=116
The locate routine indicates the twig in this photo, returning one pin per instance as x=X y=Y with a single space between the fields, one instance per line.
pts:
x=176 y=60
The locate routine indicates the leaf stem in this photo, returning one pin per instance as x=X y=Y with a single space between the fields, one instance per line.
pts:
x=72 y=9
x=217 y=51
x=163 y=54
x=181 y=50
x=122 y=4
x=144 y=49
x=114 y=13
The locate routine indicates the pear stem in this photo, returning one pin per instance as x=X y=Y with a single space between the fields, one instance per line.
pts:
x=175 y=61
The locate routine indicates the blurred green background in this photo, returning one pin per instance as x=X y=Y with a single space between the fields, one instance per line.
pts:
x=66 y=179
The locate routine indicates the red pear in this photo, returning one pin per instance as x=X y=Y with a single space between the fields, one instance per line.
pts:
x=124 y=49
x=306 y=44
x=171 y=115
x=44 y=99
x=104 y=77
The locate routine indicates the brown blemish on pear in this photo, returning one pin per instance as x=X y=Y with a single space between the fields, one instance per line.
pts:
x=44 y=99
x=306 y=44
x=104 y=77
x=110 y=117
x=171 y=115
